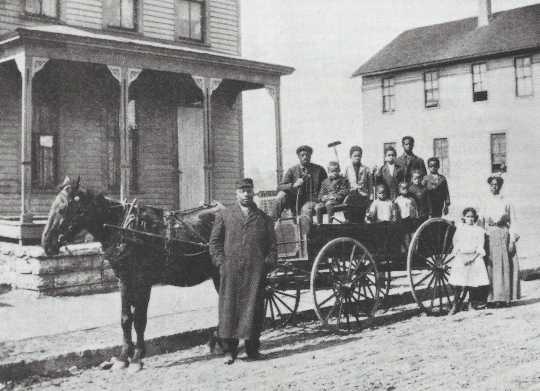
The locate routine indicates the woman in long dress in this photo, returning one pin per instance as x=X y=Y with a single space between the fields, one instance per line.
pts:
x=497 y=216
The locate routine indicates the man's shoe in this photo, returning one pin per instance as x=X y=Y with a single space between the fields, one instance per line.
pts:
x=229 y=359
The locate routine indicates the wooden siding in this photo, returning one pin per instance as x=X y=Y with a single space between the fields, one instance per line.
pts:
x=10 y=125
x=158 y=19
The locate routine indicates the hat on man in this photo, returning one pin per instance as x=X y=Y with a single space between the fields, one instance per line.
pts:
x=306 y=148
x=244 y=183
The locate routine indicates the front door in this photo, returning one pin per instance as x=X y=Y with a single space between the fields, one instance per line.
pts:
x=190 y=157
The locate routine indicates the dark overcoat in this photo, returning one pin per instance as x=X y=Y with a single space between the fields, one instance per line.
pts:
x=313 y=175
x=244 y=248
x=411 y=163
x=383 y=176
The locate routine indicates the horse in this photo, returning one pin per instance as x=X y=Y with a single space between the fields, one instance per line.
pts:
x=138 y=264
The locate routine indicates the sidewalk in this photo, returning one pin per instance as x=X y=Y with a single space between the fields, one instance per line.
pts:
x=49 y=335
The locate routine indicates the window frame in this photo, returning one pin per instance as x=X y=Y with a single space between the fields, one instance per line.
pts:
x=40 y=15
x=492 y=137
x=480 y=95
x=137 y=12
x=529 y=77
x=432 y=89
x=444 y=160
x=204 y=23
x=391 y=88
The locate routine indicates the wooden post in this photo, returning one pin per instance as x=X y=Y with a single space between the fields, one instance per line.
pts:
x=207 y=87
x=274 y=92
x=124 y=76
x=28 y=67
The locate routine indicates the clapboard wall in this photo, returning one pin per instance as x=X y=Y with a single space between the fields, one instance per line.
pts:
x=157 y=20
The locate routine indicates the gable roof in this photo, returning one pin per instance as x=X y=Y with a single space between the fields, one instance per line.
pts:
x=508 y=31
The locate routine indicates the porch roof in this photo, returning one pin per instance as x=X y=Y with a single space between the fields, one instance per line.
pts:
x=70 y=43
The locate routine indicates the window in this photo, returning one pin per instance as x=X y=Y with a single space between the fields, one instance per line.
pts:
x=524 y=85
x=121 y=14
x=440 y=151
x=388 y=94
x=479 y=86
x=498 y=152
x=190 y=18
x=46 y=8
x=134 y=140
x=44 y=143
x=386 y=145
x=431 y=88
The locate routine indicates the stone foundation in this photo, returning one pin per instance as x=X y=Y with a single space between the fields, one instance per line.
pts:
x=77 y=270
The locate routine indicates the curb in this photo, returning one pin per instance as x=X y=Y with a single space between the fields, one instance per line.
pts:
x=62 y=365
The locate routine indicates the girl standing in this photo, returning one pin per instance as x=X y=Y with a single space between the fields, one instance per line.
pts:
x=468 y=269
x=437 y=188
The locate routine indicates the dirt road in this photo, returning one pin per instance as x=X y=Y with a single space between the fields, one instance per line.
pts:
x=474 y=350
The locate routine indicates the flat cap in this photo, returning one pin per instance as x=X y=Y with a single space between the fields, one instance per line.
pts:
x=244 y=183
x=306 y=148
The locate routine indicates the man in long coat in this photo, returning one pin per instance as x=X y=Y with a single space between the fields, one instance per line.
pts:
x=243 y=246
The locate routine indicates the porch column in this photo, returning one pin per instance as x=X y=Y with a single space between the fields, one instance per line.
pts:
x=125 y=77
x=274 y=92
x=28 y=67
x=207 y=87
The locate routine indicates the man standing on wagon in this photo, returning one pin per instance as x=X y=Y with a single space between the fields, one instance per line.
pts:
x=301 y=182
x=409 y=161
x=243 y=246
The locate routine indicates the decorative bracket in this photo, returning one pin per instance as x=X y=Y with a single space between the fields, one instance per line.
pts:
x=273 y=91
x=37 y=64
x=133 y=74
x=20 y=60
x=116 y=72
x=214 y=85
x=200 y=82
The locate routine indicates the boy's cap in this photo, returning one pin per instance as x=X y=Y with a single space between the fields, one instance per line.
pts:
x=306 y=148
x=244 y=183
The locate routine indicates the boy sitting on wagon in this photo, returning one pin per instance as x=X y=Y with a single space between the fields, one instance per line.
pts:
x=333 y=191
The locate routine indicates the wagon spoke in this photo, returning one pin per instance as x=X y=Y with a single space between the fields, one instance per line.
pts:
x=423 y=279
x=277 y=307
x=446 y=292
x=448 y=260
x=434 y=291
x=327 y=299
x=282 y=302
x=286 y=294
x=271 y=309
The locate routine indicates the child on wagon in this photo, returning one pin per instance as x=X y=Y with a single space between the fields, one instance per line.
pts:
x=468 y=269
x=419 y=193
x=437 y=187
x=333 y=191
x=382 y=208
x=405 y=203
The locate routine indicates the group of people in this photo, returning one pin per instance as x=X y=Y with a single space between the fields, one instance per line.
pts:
x=401 y=188
x=243 y=241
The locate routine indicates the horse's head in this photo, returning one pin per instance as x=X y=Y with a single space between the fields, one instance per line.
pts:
x=73 y=211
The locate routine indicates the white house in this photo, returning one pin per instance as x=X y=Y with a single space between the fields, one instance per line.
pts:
x=468 y=92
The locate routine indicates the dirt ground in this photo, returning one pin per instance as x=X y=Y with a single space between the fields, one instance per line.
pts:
x=492 y=349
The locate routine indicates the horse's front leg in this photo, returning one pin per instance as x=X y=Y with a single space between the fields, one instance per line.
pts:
x=126 y=323
x=140 y=319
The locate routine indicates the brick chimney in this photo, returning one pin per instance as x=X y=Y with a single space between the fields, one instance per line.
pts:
x=484 y=12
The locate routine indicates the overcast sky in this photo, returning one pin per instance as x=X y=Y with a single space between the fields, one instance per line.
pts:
x=325 y=41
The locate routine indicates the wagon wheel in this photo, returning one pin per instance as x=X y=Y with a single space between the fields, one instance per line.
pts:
x=281 y=297
x=344 y=282
x=428 y=265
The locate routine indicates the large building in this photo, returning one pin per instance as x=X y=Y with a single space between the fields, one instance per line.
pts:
x=469 y=92
x=141 y=98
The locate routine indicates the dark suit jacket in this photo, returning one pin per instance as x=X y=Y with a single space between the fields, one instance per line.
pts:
x=391 y=181
x=411 y=163
x=244 y=247
x=314 y=176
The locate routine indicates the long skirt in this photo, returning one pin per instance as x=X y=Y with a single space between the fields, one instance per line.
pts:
x=502 y=267
x=472 y=275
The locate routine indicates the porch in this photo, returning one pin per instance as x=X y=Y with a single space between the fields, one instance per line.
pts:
x=134 y=118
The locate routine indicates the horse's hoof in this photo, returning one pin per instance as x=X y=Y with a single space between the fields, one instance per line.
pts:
x=118 y=364
x=135 y=367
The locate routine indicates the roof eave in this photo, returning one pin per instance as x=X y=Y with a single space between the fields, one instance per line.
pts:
x=275 y=69
x=448 y=61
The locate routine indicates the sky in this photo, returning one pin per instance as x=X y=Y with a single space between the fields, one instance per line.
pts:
x=325 y=41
